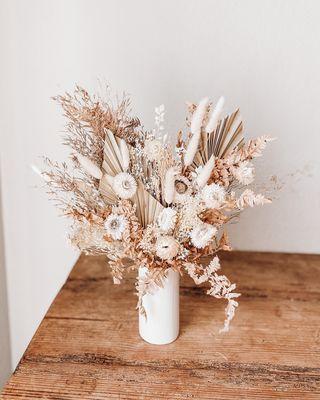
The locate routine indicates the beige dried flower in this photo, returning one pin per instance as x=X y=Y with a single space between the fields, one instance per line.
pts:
x=167 y=247
x=124 y=185
x=167 y=219
x=182 y=189
x=153 y=149
x=115 y=225
x=244 y=172
x=213 y=195
x=202 y=235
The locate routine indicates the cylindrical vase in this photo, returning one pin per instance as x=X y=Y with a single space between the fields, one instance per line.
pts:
x=161 y=324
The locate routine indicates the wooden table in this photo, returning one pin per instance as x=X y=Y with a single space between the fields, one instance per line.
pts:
x=88 y=347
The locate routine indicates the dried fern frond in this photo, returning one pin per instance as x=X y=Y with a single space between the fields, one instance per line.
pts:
x=148 y=284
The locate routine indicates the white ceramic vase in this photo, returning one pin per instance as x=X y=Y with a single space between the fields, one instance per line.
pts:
x=162 y=308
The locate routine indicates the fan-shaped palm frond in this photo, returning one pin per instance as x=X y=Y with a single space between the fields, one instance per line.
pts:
x=148 y=208
x=225 y=137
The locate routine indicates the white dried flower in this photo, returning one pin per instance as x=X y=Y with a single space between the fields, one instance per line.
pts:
x=244 y=173
x=202 y=234
x=188 y=217
x=167 y=219
x=167 y=247
x=213 y=195
x=182 y=189
x=115 y=225
x=153 y=149
x=124 y=185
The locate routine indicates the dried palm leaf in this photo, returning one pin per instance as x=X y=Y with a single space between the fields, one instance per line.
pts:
x=222 y=140
x=148 y=208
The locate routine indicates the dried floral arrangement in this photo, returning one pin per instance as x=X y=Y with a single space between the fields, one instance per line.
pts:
x=144 y=201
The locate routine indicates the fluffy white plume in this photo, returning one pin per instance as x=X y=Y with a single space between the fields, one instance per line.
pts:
x=205 y=172
x=169 y=184
x=124 y=154
x=91 y=168
x=192 y=149
x=37 y=171
x=198 y=115
x=215 y=115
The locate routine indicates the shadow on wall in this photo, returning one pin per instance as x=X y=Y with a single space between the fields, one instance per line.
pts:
x=5 y=364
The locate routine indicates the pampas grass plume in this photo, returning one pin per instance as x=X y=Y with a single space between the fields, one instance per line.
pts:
x=124 y=154
x=91 y=168
x=169 y=185
x=192 y=149
x=198 y=115
x=205 y=173
x=215 y=115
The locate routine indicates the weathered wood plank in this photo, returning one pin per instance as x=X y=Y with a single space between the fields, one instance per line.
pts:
x=94 y=378
x=88 y=345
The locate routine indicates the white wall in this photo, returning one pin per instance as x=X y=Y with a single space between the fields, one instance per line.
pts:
x=5 y=361
x=262 y=55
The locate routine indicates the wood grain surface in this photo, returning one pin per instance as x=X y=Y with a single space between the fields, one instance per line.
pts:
x=88 y=346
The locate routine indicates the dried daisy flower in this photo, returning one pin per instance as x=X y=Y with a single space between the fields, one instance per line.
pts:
x=167 y=219
x=115 y=225
x=124 y=185
x=167 y=247
x=244 y=173
x=202 y=235
x=213 y=195
x=153 y=149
